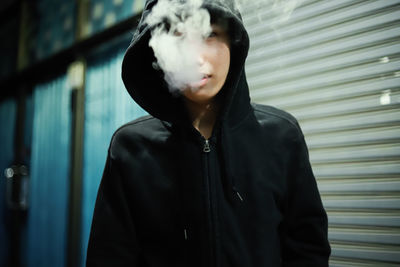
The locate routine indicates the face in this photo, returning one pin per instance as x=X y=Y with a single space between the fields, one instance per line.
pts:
x=214 y=63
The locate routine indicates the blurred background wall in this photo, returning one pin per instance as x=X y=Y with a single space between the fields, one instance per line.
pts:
x=335 y=65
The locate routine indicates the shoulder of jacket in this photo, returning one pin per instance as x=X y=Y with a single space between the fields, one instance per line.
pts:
x=282 y=124
x=134 y=130
x=135 y=125
x=263 y=112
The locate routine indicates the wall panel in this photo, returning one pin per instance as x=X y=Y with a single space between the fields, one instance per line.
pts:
x=49 y=183
x=335 y=65
x=8 y=110
x=107 y=107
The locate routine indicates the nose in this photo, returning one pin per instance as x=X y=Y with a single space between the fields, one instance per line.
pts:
x=200 y=59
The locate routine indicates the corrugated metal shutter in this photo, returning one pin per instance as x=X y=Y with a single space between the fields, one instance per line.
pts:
x=335 y=65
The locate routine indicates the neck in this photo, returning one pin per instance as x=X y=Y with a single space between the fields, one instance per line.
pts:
x=203 y=116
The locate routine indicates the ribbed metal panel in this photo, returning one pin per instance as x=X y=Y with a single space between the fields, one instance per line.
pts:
x=8 y=110
x=107 y=107
x=49 y=185
x=335 y=65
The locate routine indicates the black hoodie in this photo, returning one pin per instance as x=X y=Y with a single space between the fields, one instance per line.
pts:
x=247 y=197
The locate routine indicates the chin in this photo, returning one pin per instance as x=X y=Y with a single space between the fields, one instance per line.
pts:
x=200 y=99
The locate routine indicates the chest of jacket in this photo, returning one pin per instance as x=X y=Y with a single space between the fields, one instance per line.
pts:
x=177 y=194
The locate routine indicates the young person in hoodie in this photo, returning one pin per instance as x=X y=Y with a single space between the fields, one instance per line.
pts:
x=207 y=179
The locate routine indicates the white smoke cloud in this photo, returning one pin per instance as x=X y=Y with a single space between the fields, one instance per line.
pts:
x=179 y=43
x=282 y=9
x=178 y=46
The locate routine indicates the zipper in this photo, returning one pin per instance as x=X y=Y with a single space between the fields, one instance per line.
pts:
x=210 y=201
x=206 y=146
x=206 y=152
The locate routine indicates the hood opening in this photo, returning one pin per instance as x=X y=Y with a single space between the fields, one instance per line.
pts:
x=147 y=86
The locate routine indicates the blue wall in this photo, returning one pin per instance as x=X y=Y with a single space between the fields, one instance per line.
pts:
x=107 y=107
x=55 y=26
x=105 y=13
x=47 y=139
x=47 y=217
x=7 y=126
x=8 y=46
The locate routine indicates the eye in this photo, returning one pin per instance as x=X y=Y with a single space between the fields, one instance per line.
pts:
x=177 y=33
x=212 y=34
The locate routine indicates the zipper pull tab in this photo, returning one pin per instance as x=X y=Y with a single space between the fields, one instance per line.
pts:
x=206 y=147
x=238 y=194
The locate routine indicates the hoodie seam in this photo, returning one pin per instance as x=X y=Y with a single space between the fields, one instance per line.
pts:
x=137 y=121
x=237 y=125
x=293 y=122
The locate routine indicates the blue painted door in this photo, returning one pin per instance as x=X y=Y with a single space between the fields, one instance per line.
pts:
x=49 y=187
x=107 y=107
x=7 y=126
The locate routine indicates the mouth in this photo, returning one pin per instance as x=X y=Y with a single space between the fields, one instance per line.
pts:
x=202 y=82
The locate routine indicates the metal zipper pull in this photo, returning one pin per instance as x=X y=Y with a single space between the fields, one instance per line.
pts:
x=240 y=197
x=206 y=147
x=238 y=194
x=185 y=234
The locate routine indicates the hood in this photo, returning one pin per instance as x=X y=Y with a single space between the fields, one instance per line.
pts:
x=147 y=87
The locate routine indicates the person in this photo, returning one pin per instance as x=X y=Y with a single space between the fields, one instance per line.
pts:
x=208 y=178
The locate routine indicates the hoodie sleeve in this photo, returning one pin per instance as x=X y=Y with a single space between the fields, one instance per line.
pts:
x=112 y=240
x=305 y=226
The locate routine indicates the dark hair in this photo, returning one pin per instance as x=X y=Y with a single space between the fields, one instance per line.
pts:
x=227 y=22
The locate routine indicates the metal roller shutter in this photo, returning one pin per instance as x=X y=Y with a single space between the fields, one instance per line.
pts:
x=335 y=65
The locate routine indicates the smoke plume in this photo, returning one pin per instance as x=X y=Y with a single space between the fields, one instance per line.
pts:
x=178 y=40
x=179 y=29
